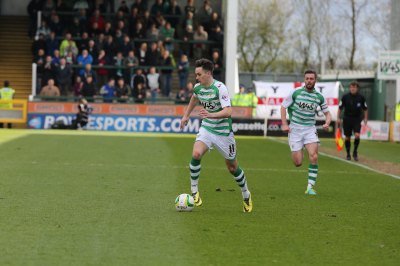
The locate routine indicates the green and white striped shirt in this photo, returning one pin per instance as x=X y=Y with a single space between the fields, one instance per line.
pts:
x=302 y=106
x=214 y=99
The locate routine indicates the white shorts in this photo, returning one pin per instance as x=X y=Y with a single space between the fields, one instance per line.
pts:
x=300 y=136
x=226 y=145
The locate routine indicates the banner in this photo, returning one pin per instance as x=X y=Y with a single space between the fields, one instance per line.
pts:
x=126 y=109
x=395 y=131
x=163 y=124
x=248 y=127
x=389 y=65
x=13 y=111
x=273 y=94
x=375 y=130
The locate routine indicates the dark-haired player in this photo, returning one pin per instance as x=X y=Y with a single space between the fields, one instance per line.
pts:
x=302 y=106
x=215 y=131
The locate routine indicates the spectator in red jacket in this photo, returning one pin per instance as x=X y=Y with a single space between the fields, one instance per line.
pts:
x=77 y=87
x=97 y=17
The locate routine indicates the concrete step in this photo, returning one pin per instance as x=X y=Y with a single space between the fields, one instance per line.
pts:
x=20 y=86
x=22 y=69
x=18 y=51
x=15 y=54
x=15 y=80
x=20 y=75
x=15 y=38
x=17 y=68
x=21 y=46
x=16 y=43
x=17 y=60
x=14 y=30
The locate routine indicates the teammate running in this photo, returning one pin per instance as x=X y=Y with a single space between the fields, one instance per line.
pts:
x=215 y=130
x=302 y=106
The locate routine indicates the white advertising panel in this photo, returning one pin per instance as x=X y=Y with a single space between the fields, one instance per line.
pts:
x=389 y=65
x=396 y=131
x=273 y=94
x=375 y=130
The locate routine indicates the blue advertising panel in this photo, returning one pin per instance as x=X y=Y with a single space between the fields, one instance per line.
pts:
x=163 y=124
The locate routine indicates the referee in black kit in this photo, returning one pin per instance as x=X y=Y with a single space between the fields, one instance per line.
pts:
x=354 y=106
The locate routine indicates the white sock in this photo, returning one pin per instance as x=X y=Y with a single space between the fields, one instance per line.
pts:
x=194 y=185
x=246 y=194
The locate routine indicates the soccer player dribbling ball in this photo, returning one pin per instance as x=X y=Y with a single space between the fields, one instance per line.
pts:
x=301 y=105
x=215 y=131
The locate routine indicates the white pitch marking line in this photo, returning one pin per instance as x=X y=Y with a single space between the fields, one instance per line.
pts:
x=359 y=165
x=343 y=160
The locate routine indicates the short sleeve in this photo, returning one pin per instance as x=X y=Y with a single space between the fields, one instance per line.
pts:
x=288 y=101
x=224 y=98
x=324 y=106
x=195 y=90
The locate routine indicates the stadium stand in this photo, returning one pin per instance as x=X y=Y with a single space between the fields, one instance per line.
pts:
x=114 y=45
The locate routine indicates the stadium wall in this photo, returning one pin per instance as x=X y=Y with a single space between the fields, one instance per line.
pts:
x=374 y=91
x=13 y=7
x=133 y=118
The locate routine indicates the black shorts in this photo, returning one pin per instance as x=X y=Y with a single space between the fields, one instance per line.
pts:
x=350 y=125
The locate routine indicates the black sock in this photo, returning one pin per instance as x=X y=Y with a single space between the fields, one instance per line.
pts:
x=356 y=142
x=348 y=145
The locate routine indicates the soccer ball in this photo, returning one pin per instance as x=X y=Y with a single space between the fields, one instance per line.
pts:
x=184 y=203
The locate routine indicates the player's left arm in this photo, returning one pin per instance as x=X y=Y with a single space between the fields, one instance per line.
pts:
x=325 y=110
x=328 y=119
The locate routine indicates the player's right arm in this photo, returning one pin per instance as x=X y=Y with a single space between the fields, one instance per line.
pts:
x=192 y=104
x=285 y=127
x=285 y=104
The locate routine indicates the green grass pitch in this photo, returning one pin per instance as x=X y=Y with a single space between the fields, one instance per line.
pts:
x=97 y=199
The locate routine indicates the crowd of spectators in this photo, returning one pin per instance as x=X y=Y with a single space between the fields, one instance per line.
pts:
x=92 y=50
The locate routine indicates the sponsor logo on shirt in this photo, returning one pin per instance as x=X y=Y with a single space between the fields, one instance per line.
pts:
x=304 y=105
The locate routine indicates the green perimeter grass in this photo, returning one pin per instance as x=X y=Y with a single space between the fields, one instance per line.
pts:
x=102 y=200
x=383 y=151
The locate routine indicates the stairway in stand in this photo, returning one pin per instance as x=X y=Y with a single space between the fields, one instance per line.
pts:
x=15 y=55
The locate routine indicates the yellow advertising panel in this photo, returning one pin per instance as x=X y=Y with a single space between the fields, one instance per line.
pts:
x=13 y=111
